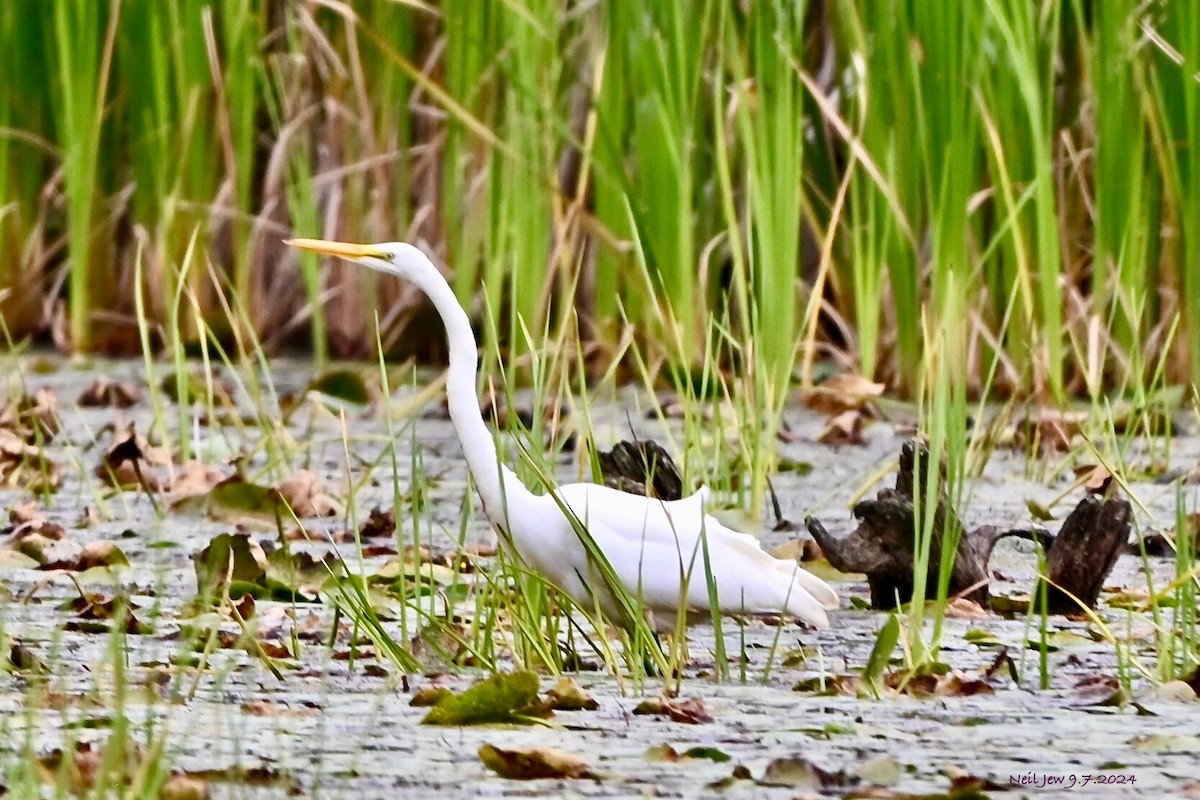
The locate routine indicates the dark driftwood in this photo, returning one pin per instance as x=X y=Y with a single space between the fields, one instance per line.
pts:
x=641 y=468
x=883 y=544
x=1085 y=551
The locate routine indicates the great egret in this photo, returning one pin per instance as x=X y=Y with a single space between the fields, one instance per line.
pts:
x=651 y=545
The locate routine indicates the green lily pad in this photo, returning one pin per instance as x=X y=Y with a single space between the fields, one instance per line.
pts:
x=981 y=638
x=213 y=570
x=300 y=576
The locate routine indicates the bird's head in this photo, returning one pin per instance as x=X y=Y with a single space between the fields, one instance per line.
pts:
x=394 y=258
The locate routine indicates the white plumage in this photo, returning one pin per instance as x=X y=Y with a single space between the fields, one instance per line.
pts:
x=653 y=546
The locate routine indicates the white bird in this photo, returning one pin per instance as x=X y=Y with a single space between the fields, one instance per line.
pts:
x=653 y=546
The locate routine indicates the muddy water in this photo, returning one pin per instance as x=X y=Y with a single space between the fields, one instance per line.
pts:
x=330 y=728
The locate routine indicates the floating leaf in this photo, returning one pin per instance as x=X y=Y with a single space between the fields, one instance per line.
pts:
x=1166 y=743
x=22 y=659
x=128 y=463
x=379 y=524
x=1038 y=511
x=214 y=573
x=1010 y=604
x=192 y=387
x=194 y=479
x=1179 y=691
x=1098 y=690
x=843 y=429
x=306 y=496
x=104 y=392
x=429 y=696
x=690 y=711
x=300 y=576
x=830 y=685
x=568 y=695
x=100 y=553
x=797 y=773
x=12 y=560
x=341 y=384
x=26 y=520
x=845 y=392
x=1059 y=640
x=503 y=697
x=962 y=608
x=533 y=763
x=32 y=417
x=881 y=770
x=26 y=465
x=665 y=752
x=981 y=638
x=793 y=467
x=235 y=496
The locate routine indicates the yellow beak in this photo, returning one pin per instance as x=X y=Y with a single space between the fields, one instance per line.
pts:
x=339 y=249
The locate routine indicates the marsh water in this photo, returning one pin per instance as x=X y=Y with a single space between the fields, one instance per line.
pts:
x=332 y=726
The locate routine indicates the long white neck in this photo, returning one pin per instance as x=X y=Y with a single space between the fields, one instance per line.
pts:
x=498 y=487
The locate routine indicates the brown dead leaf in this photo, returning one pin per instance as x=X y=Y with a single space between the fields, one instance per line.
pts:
x=193 y=479
x=1096 y=478
x=100 y=553
x=32 y=417
x=844 y=428
x=965 y=785
x=429 y=696
x=306 y=496
x=798 y=550
x=1002 y=664
x=1049 y=429
x=379 y=524
x=799 y=773
x=264 y=708
x=94 y=610
x=533 y=763
x=962 y=608
x=959 y=684
x=568 y=695
x=180 y=786
x=831 y=685
x=127 y=463
x=1097 y=690
x=845 y=392
x=104 y=392
x=481 y=549
x=690 y=711
x=26 y=465
x=27 y=520
x=92 y=764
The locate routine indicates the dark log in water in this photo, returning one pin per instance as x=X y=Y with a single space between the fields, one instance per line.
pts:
x=883 y=545
x=1085 y=551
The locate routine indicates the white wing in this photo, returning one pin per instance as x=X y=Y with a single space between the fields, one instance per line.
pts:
x=651 y=543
